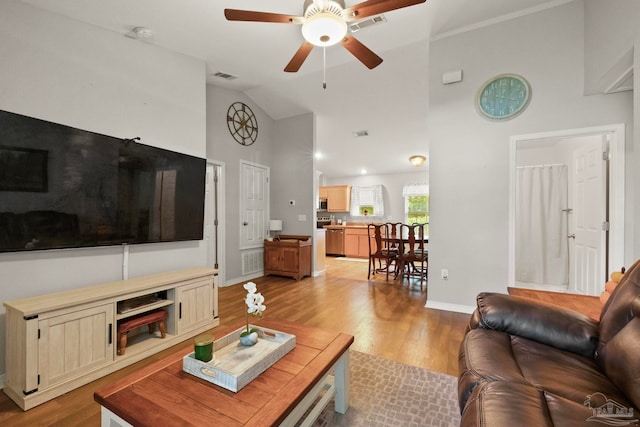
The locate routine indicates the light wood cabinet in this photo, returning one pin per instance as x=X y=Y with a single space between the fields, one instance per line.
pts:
x=288 y=256
x=58 y=342
x=74 y=343
x=196 y=305
x=356 y=242
x=322 y=192
x=338 y=197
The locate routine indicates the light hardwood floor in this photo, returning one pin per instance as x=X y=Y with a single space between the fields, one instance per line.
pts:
x=386 y=319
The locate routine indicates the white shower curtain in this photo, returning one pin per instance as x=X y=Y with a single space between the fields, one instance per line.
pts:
x=542 y=252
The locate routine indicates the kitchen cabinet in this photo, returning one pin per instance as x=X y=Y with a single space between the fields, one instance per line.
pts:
x=356 y=242
x=63 y=340
x=338 y=197
x=288 y=256
x=322 y=193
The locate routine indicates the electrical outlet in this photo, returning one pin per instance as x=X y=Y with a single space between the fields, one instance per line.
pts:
x=444 y=273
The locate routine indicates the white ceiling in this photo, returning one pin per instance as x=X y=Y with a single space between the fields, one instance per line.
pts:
x=389 y=101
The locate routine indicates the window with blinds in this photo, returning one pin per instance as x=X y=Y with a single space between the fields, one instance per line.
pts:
x=367 y=201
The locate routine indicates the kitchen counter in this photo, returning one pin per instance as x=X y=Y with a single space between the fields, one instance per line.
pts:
x=348 y=225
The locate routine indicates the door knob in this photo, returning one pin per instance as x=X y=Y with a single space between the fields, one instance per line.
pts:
x=571 y=236
x=245 y=223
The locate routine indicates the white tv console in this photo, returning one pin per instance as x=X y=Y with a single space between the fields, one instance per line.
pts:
x=60 y=341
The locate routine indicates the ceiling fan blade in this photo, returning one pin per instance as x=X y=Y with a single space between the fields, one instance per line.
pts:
x=376 y=7
x=299 y=57
x=253 y=16
x=360 y=51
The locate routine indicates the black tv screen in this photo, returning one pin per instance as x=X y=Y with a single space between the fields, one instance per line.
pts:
x=62 y=187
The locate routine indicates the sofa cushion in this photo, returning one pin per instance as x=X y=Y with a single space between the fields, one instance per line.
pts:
x=545 y=323
x=500 y=403
x=493 y=356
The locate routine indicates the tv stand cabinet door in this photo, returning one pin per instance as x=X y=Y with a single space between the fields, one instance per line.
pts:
x=73 y=344
x=195 y=305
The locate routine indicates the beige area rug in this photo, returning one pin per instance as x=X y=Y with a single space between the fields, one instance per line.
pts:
x=388 y=393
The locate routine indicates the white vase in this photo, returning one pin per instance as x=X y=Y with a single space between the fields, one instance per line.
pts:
x=250 y=339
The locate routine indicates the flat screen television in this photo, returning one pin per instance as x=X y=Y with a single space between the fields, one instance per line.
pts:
x=62 y=187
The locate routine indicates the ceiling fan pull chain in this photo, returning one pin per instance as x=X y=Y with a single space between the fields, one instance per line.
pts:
x=324 y=67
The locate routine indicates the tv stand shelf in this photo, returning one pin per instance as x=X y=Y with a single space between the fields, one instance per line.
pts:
x=143 y=308
x=61 y=341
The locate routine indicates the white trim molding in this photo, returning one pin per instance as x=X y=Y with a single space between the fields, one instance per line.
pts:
x=458 y=308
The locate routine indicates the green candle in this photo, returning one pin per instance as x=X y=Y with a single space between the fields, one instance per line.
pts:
x=203 y=347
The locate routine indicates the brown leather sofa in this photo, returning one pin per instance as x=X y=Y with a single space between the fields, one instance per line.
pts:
x=525 y=363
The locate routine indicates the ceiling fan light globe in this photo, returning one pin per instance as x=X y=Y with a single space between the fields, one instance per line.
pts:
x=324 y=29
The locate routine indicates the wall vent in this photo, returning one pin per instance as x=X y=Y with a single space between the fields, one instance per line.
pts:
x=252 y=261
x=374 y=20
x=360 y=133
x=225 y=76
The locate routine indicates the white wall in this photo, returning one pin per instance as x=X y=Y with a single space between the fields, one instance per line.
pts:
x=66 y=72
x=222 y=147
x=632 y=197
x=392 y=184
x=469 y=165
x=292 y=175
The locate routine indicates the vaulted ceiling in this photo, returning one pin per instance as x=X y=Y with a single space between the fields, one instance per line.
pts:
x=390 y=101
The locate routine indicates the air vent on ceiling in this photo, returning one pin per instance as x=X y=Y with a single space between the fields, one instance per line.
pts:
x=374 y=20
x=140 y=33
x=225 y=76
x=361 y=133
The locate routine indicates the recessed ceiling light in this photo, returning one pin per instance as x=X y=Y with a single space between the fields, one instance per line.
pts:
x=363 y=172
x=318 y=155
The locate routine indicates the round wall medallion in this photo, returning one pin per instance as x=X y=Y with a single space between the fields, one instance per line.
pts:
x=503 y=97
x=242 y=123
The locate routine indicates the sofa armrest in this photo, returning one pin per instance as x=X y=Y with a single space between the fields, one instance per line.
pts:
x=545 y=323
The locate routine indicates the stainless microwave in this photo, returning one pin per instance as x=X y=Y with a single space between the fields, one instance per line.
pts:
x=322 y=205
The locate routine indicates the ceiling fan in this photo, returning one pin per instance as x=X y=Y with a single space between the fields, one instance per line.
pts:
x=324 y=23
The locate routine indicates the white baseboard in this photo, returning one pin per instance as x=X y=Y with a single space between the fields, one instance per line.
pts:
x=242 y=279
x=458 y=308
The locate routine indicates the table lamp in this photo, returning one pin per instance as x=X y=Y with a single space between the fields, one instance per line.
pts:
x=275 y=225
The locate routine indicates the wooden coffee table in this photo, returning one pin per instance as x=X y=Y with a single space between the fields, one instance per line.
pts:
x=162 y=394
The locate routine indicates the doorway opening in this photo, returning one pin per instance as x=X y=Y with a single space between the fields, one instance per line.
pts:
x=566 y=203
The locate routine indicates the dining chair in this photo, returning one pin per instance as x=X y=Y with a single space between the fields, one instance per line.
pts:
x=383 y=257
x=414 y=258
x=421 y=250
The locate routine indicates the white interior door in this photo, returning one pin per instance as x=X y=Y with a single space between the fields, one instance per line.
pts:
x=589 y=215
x=254 y=202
